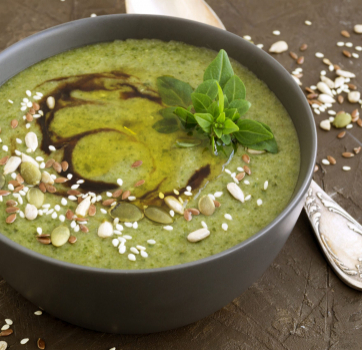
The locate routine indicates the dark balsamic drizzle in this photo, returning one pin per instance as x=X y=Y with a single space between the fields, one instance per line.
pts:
x=95 y=82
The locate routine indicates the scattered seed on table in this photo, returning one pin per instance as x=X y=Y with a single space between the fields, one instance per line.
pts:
x=331 y=160
x=38 y=313
x=346 y=53
x=357 y=149
x=346 y=168
x=316 y=168
x=308 y=23
x=325 y=162
x=347 y=155
x=319 y=55
x=303 y=47
x=345 y=34
x=293 y=55
x=24 y=341
x=341 y=134
x=300 y=60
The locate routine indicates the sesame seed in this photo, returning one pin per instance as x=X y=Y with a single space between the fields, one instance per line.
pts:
x=122 y=249
x=355 y=55
x=73 y=224
x=54 y=215
x=186 y=193
x=349 y=44
x=19 y=141
x=323 y=72
x=224 y=226
x=240 y=169
x=38 y=313
x=28 y=92
x=248 y=197
x=94 y=15
x=325 y=162
x=103 y=211
x=144 y=254
x=319 y=55
x=168 y=228
x=340 y=43
x=172 y=213
x=151 y=241
x=358 y=48
x=39 y=230
x=62 y=218
x=218 y=194
x=24 y=341
x=109 y=194
x=120 y=182
x=131 y=257
x=52 y=148
x=266 y=183
x=140 y=247
x=308 y=23
x=227 y=171
x=131 y=198
x=246 y=182
x=211 y=196
x=349 y=126
x=81 y=181
x=75 y=187
x=260 y=46
x=119 y=227
x=346 y=168
x=176 y=192
x=57 y=207
x=64 y=201
x=115 y=242
x=188 y=188
x=276 y=32
x=135 y=225
x=8 y=321
x=247 y=37
x=23 y=108
x=134 y=250
x=330 y=112
x=161 y=195
x=122 y=240
x=72 y=198
x=127 y=237
x=27 y=126
x=228 y=217
x=128 y=224
x=5 y=148
x=11 y=187
x=69 y=176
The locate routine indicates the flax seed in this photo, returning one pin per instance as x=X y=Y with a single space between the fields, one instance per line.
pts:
x=331 y=160
x=246 y=158
x=72 y=239
x=57 y=167
x=29 y=117
x=341 y=135
x=4 y=193
x=10 y=219
x=347 y=154
x=44 y=239
x=32 y=111
x=293 y=55
x=240 y=176
x=352 y=86
x=312 y=96
x=217 y=204
x=345 y=34
x=187 y=215
x=14 y=123
x=41 y=344
x=18 y=188
x=42 y=187
x=73 y=193
x=49 y=163
x=117 y=193
x=12 y=210
x=92 y=210
x=64 y=165
x=137 y=163
x=11 y=203
x=6 y=332
x=247 y=170
x=50 y=188
x=126 y=194
x=69 y=214
x=303 y=47
x=79 y=200
x=14 y=183
x=83 y=228
x=357 y=149
x=60 y=180
x=4 y=160
x=139 y=183
x=340 y=99
x=300 y=60
x=359 y=122
x=309 y=90
x=316 y=168
x=19 y=179
x=347 y=53
x=194 y=211
x=108 y=202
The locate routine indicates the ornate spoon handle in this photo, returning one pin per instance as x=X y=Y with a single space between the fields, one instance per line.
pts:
x=338 y=233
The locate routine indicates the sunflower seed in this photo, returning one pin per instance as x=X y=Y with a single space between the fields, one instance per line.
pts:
x=236 y=191
x=324 y=88
x=174 y=204
x=50 y=102
x=31 y=141
x=198 y=235
x=278 y=47
x=354 y=96
x=345 y=74
x=11 y=165
x=206 y=205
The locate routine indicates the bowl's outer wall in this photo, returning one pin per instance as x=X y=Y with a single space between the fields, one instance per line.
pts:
x=146 y=301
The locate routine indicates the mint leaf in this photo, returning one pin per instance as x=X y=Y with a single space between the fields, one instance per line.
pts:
x=205 y=121
x=221 y=118
x=226 y=139
x=174 y=92
x=232 y=113
x=229 y=127
x=251 y=132
x=166 y=125
x=269 y=145
x=167 y=112
x=187 y=143
x=218 y=132
x=209 y=88
x=219 y=69
x=186 y=117
x=235 y=89
x=214 y=109
x=221 y=99
x=241 y=105
x=201 y=102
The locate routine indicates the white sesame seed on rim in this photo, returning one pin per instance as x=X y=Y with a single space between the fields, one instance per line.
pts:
x=151 y=241
x=260 y=46
x=168 y=228
x=266 y=184
x=276 y=32
x=308 y=23
x=103 y=211
x=24 y=341
x=247 y=37
x=259 y=202
x=131 y=257
x=94 y=15
x=52 y=148
x=39 y=230
x=134 y=250
x=346 y=168
x=38 y=313
x=9 y=321
x=172 y=213
x=228 y=217
x=248 y=197
x=224 y=226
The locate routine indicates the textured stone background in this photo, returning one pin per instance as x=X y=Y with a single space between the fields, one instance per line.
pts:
x=299 y=303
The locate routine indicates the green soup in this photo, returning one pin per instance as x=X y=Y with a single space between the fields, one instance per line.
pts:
x=103 y=126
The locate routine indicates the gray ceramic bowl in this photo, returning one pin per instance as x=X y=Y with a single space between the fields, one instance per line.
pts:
x=143 y=301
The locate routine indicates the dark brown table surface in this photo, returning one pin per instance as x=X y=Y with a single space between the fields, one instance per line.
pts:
x=299 y=303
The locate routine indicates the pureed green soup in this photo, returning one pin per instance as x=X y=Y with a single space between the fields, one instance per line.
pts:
x=102 y=158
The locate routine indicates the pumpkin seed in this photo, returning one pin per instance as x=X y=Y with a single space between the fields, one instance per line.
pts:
x=206 y=205
x=174 y=204
x=60 y=236
x=187 y=143
x=30 y=173
x=342 y=120
x=126 y=212
x=35 y=197
x=2 y=181
x=158 y=215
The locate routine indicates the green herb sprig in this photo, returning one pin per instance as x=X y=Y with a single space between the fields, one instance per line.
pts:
x=214 y=108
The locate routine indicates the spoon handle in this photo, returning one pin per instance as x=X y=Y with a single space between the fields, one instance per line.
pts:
x=338 y=234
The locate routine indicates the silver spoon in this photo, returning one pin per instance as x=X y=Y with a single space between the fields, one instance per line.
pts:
x=338 y=233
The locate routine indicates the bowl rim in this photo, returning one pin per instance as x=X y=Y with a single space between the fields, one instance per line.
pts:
x=293 y=202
